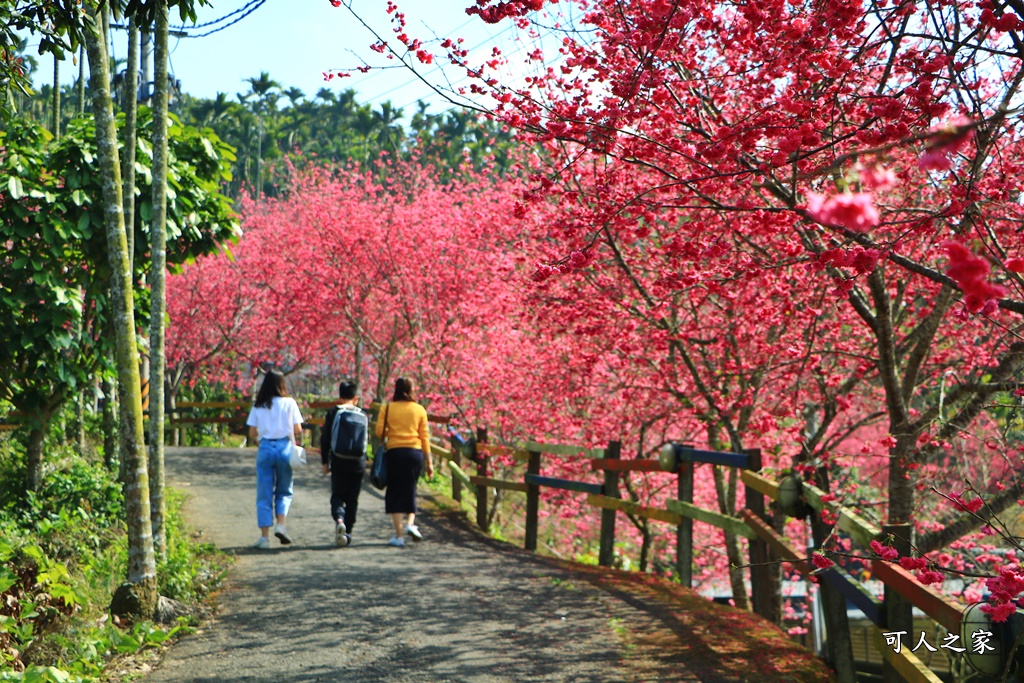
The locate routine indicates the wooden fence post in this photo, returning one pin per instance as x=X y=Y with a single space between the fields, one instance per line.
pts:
x=684 y=532
x=481 y=470
x=456 y=447
x=606 y=554
x=532 y=503
x=760 y=571
x=897 y=611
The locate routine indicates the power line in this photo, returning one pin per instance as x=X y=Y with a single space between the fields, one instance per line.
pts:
x=253 y=6
x=184 y=27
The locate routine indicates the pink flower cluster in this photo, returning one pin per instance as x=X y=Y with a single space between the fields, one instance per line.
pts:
x=820 y=561
x=949 y=139
x=853 y=210
x=1004 y=589
x=928 y=577
x=960 y=503
x=884 y=551
x=971 y=273
x=576 y=260
x=861 y=260
x=876 y=177
x=913 y=563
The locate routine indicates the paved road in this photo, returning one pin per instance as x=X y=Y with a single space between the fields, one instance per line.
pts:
x=455 y=607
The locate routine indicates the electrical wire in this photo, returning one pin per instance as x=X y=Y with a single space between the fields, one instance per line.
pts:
x=184 y=27
x=253 y=6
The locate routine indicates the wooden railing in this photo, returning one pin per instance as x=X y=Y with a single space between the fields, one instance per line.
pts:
x=766 y=545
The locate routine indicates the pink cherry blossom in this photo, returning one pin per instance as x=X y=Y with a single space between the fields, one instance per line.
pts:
x=853 y=210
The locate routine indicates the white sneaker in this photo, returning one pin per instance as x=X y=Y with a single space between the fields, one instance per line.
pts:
x=282 y=534
x=263 y=543
x=397 y=541
x=414 y=531
x=341 y=537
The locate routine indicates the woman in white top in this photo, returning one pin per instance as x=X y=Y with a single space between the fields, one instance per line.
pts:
x=272 y=421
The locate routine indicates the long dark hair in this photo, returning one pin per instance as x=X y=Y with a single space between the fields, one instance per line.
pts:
x=273 y=385
x=403 y=390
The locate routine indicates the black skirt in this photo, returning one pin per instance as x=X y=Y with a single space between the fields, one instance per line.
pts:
x=404 y=467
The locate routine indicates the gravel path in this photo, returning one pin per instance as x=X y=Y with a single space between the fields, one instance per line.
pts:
x=456 y=607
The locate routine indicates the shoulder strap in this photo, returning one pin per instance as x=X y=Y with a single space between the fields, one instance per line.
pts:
x=384 y=433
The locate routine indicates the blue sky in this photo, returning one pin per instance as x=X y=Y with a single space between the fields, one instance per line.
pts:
x=295 y=41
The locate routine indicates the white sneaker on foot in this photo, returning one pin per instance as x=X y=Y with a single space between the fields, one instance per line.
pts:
x=282 y=534
x=263 y=543
x=397 y=541
x=341 y=538
x=414 y=531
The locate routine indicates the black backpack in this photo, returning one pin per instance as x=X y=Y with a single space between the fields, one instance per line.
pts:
x=348 y=433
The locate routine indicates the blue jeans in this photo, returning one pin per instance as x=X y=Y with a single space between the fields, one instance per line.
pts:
x=273 y=480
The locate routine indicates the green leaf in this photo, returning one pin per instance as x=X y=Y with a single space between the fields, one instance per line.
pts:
x=7 y=579
x=83 y=224
x=14 y=186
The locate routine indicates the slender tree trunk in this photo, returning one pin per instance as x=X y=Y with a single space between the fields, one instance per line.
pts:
x=158 y=303
x=732 y=544
x=55 y=99
x=131 y=107
x=111 y=456
x=34 y=458
x=357 y=371
x=727 y=506
x=137 y=597
x=81 y=81
x=147 y=73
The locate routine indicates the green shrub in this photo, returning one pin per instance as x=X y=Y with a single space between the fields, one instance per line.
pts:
x=63 y=551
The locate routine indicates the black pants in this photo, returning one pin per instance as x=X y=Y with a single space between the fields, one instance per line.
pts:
x=404 y=467
x=345 y=487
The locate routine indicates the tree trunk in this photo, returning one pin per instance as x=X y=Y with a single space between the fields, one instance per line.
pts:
x=55 y=99
x=34 y=458
x=732 y=544
x=111 y=457
x=158 y=304
x=131 y=108
x=137 y=598
x=80 y=86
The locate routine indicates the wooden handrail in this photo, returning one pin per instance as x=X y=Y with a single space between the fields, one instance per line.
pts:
x=633 y=508
x=499 y=483
x=210 y=404
x=906 y=663
x=936 y=605
x=760 y=483
x=779 y=544
x=626 y=465
x=564 y=484
x=717 y=519
x=563 y=449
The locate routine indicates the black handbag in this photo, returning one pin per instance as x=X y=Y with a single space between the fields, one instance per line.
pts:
x=379 y=470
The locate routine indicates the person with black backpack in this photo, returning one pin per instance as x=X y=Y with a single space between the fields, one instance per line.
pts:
x=343 y=454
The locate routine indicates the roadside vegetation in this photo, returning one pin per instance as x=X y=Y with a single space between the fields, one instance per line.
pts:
x=63 y=552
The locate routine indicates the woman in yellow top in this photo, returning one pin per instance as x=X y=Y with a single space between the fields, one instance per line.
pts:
x=408 y=451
